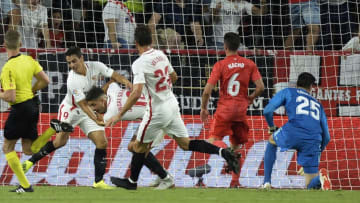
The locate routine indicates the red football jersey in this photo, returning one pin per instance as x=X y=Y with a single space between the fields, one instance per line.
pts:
x=234 y=73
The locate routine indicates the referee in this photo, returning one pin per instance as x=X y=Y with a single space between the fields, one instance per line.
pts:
x=16 y=78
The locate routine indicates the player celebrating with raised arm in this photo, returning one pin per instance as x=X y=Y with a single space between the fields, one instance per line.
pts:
x=110 y=104
x=234 y=73
x=16 y=77
x=306 y=131
x=75 y=110
x=154 y=74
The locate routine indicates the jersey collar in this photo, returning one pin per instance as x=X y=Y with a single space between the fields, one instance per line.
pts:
x=14 y=57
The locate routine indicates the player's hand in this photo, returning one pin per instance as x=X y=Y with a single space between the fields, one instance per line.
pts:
x=112 y=121
x=99 y=119
x=129 y=85
x=301 y=171
x=272 y=129
x=204 y=115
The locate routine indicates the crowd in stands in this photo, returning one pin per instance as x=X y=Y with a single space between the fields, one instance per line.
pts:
x=184 y=24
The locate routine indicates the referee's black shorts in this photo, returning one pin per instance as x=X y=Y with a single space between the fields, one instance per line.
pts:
x=22 y=120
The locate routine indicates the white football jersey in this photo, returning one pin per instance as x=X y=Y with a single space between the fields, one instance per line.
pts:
x=152 y=69
x=230 y=15
x=117 y=98
x=78 y=85
x=125 y=22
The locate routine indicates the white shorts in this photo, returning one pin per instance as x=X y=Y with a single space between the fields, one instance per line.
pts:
x=160 y=120
x=75 y=116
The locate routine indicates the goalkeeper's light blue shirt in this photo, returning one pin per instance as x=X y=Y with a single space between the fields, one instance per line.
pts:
x=306 y=116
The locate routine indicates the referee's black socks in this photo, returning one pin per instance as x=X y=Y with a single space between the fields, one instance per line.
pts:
x=45 y=150
x=100 y=164
x=203 y=146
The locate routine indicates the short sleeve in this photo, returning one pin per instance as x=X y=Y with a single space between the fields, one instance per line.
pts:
x=248 y=7
x=255 y=74
x=139 y=76
x=215 y=74
x=37 y=67
x=7 y=79
x=103 y=69
x=110 y=11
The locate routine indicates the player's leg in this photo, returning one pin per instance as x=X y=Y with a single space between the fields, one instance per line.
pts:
x=148 y=130
x=15 y=165
x=56 y=126
x=137 y=162
x=239 y=136
x=150 y=162
x=177 y=129
x=270 y=157
x=308 y=157
x=100 y=161
x=52 y=145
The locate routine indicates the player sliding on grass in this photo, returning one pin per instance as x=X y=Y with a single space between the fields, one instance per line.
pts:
x=110 y=104
x=306 y=131
x=154 y=75
x=75 y=110
x=234 y=73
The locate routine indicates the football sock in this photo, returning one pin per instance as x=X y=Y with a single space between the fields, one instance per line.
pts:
x=15 y=165
x=269 y=160
x=137 y=161
x=41 y=140
x=203 y=146
x=235 y=176
x=314 y=183
x=45 y=150
x=100 y=164
x=154 y=165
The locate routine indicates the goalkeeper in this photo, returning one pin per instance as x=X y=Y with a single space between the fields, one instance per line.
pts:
x=306 y=131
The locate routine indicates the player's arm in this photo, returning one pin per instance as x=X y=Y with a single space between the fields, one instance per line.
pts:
x=277 y=101
x=325 y=129
x=121 y=79
x=173 y=77
x=8 y=95
x=86 y=108
x=204 y=113
x=259 y=89
x=132 y=99
x=8 y=84
x=42 y=81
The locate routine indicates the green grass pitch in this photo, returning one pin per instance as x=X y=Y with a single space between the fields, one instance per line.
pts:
x=181 y=195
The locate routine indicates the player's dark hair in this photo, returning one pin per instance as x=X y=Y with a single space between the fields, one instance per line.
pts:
x=143 y=35
x=305 y=80
x=232 y=41
x=94 y=93
x=73 y=51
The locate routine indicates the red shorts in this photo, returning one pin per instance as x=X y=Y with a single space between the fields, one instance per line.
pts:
x=237 y=130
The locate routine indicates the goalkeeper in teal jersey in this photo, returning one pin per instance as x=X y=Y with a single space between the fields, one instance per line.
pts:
x=306 y=131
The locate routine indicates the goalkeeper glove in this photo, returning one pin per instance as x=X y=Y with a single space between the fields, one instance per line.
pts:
x=301 y=171
x=272 y=129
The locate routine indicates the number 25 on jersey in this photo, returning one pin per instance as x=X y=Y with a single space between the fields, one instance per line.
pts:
x=303 y=106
